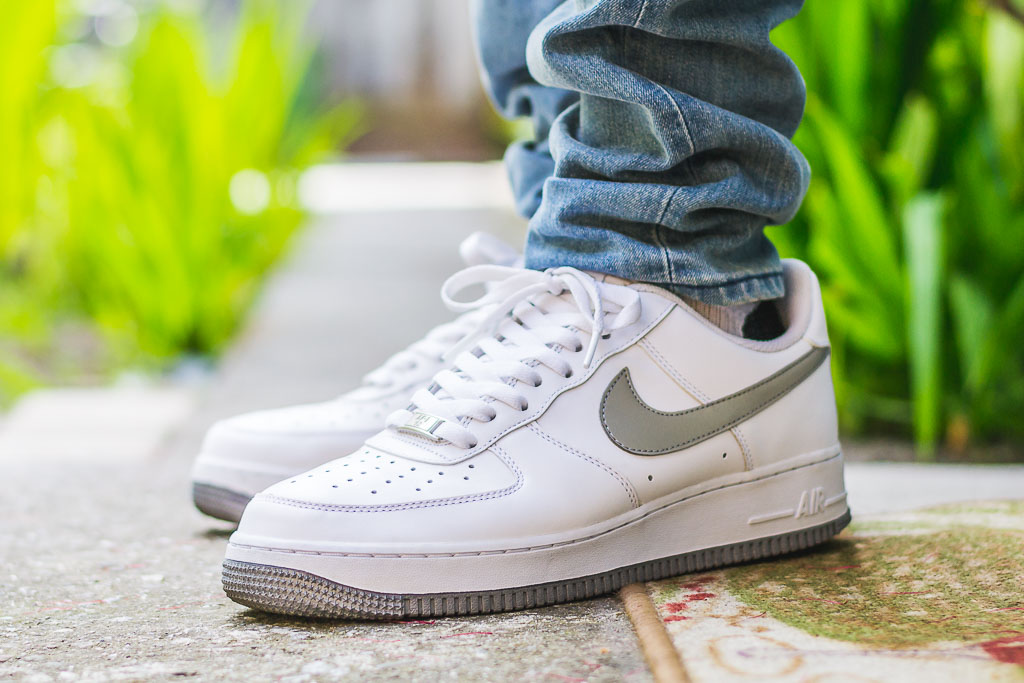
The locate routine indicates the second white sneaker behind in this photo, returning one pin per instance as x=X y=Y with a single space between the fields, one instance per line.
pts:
x=594 y=433
x=243 y=455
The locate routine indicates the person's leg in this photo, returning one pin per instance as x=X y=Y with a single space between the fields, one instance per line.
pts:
x=501 y=30
x=677 y=153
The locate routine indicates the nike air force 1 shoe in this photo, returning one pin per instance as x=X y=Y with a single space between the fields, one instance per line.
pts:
x=245 y=454
x=596 y=433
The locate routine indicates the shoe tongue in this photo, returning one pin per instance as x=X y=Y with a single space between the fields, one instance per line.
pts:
x=482 y=248
x=416 y=448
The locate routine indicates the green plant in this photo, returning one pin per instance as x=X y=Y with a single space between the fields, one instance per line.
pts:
x=156 y=181
x=28 y=29
x=915 y=216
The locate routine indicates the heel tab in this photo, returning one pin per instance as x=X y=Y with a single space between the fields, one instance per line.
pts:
x=482 y=248
x=803 y=307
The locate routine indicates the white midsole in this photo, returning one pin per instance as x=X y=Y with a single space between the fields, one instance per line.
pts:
x=784 y=502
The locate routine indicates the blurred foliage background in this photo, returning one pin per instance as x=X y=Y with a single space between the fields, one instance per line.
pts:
x=915 y=217
x=147 y=179
x=150 y=152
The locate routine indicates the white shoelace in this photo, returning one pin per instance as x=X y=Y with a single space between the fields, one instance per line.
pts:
x=531 y=318
x=405 y=367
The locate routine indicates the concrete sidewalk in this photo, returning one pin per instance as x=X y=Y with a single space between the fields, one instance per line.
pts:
x=107 y=572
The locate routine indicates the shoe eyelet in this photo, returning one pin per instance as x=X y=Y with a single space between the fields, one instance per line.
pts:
x=539 y=382
x=568 y=374
x=525 y=407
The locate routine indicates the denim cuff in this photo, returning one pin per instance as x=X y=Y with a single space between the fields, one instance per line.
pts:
x=744 y=290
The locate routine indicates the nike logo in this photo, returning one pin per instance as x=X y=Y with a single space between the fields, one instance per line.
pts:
x=642 y=430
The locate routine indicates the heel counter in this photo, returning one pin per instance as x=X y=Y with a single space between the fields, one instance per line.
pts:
x=805 y=308
x=805 y=420
x=817 y=335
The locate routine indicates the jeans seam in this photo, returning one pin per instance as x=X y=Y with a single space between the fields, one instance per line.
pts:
x=657 y=238
x=640 y=14
x=661 y=88
x=679 y=114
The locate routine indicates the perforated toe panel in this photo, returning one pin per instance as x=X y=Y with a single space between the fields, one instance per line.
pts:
x=371 y=477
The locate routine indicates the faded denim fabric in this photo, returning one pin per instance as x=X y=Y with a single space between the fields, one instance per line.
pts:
x=662 y=136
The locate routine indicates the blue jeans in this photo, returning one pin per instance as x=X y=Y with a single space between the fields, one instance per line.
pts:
x=662 y=145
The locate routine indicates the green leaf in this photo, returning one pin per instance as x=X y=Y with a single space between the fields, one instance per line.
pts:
x=850 y=63
x=1004 y=64
x=922 y=230
x=912 y=148
x=869 y=229
x=973 y=319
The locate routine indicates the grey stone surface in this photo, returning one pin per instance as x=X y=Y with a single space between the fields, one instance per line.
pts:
x=96 y=423
x=108 y=573
x=880 y=487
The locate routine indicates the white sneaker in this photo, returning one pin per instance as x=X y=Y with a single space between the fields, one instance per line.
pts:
x=599 y=435
x=243 y=455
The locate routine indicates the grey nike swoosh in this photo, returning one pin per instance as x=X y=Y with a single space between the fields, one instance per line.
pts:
x=640 y=429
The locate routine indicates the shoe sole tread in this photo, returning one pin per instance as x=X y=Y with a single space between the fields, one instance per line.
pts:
x=219 y=502
x=293 y=592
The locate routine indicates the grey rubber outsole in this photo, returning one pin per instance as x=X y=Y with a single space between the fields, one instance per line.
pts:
x=219 y=502
x=298 y=593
